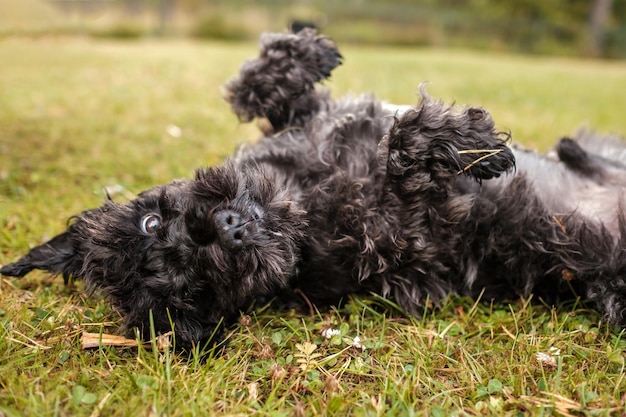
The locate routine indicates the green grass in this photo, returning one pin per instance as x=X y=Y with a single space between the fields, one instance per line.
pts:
x=77 y=116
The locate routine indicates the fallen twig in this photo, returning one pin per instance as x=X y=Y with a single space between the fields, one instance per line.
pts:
x=94 y=340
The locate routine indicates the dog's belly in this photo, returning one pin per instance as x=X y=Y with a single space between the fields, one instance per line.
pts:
x=564 y=192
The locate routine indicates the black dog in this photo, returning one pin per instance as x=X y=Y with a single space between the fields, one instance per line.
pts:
x=352 y=195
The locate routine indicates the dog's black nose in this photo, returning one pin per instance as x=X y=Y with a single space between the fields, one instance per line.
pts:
x=231 y=229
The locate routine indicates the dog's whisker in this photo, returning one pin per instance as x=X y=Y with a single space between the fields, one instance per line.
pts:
x=286 y=130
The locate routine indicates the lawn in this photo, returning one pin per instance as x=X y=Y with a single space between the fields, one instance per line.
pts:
x=78 y=116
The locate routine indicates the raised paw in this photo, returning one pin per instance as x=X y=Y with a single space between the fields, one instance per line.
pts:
x=586 y=164
x=279 y=84
x=576 y=158
x=446 y=141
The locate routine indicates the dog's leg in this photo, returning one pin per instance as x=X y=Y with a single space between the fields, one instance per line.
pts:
x=603 y=271
x=279 y=85
x=579 y=160
x=430 y=153
x=439 y=143
x=587 y=164
x=609 y=296
x=58 y=256
x=602 y=170
x=609 y=147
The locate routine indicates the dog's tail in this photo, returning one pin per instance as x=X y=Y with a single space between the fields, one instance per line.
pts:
x=279 y=85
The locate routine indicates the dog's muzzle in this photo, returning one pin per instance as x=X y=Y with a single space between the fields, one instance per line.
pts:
x=231 y=229
x=234 y=229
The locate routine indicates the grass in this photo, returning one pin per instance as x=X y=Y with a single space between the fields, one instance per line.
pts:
x=77 y=116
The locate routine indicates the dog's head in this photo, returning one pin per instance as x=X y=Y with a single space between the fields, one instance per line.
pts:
x=189 y=253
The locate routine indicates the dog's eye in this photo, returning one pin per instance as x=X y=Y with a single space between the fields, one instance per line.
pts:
x=150 y=223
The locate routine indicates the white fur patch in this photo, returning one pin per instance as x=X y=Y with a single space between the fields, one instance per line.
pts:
x=397 y=109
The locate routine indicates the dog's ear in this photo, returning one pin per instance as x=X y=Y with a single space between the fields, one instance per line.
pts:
x=58 y=256
x=278 y=83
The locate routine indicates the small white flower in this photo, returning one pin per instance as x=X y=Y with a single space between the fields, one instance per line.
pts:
x=174 y=131
x=554 y=351
x=356 y=342
x=328 y=333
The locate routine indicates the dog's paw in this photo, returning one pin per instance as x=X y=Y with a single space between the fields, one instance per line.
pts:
x=578 y=159
x=288 y=67
x=446 y=141
x=609 y=294
x=57 y=256
x=574 y=156
x=482 y=153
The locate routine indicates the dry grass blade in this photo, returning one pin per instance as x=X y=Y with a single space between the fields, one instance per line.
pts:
x=558 y=221
x=562 y=405
x=491 y=152
x=31 y=343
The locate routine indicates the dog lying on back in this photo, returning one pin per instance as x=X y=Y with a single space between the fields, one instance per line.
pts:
x=351 y=195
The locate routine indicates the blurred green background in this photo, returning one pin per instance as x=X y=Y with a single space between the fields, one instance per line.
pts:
x=594 y=28
x=109 y=97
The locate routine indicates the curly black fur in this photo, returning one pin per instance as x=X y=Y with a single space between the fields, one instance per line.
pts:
x=279 y=85
x=352 y=195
